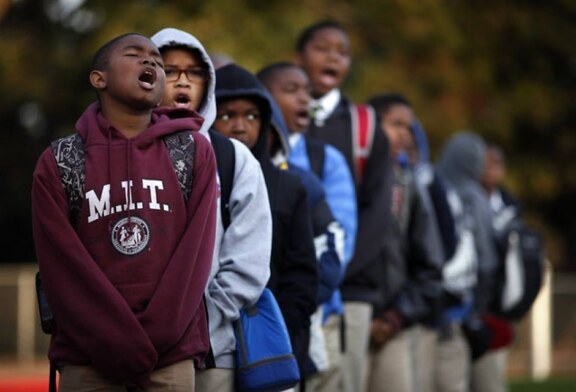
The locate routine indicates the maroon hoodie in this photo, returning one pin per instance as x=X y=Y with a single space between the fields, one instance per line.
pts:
x=126 y=286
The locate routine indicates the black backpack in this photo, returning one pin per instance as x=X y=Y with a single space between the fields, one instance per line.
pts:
x=226 y=162
x=522 y=256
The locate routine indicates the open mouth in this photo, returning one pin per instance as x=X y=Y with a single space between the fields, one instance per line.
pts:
x=182 y=101
x=147 y=78
x=302 y=118
x=303 y=113
x=330 y=72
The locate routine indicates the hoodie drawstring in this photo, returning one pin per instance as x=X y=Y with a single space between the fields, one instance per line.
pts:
x=129 y=178
x=128 y=195
x=110 y=174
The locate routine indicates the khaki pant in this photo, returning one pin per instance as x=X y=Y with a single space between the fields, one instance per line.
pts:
x=221 y=380
x=425 y=344
x=329 y=380
x=452 y=361
x=175 y=378
x=358 y=316
x=391 y=367
x=489 y=372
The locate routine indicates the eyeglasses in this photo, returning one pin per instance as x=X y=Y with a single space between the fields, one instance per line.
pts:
x=194 y=75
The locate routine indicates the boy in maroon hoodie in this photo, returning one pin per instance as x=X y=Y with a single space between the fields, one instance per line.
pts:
x=125 y=280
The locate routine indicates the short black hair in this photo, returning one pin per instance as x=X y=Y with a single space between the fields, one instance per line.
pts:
x=308 y=33
x=383 y=102
x=101 y=58
x=267 y=74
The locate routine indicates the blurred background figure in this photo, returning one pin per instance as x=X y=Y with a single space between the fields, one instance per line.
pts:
x=220 y=59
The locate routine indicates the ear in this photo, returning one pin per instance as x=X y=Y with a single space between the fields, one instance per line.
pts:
x=98 y=80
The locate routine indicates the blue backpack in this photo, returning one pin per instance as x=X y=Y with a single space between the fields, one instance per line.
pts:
x=264 y=358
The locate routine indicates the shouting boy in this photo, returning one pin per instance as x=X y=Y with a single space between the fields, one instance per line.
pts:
x=241 y=261
x=125 y=278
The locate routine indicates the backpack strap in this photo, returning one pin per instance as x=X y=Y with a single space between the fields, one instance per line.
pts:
x=71 y=161
x=363 y=126
x=226 y=162
x=181 y=149
x=316 y=156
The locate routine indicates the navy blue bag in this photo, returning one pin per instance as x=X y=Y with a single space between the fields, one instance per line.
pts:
x=264 y=357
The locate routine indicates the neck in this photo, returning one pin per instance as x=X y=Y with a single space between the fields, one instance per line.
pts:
x=129 y=124
x=317 y=95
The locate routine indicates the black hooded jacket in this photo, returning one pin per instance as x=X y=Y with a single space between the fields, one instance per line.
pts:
x=294 y=274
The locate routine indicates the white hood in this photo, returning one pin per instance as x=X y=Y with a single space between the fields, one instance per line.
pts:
x=173 y=37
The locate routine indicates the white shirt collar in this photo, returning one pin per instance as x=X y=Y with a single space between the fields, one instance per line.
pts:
x=294 y=138
x=496 y=201
x=325 y=105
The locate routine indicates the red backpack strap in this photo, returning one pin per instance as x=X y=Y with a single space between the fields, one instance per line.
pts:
x=363 y=125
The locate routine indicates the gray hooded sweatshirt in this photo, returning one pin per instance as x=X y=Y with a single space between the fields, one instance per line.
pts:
x=241 y=261
x=462 y=163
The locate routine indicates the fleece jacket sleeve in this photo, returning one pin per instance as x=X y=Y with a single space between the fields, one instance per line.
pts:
x=95 y=318
x=184 y=279
x=244 y=256
x=341 y=197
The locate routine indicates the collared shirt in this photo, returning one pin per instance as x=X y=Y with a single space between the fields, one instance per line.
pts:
x=496 y=201
x=294 y=138
x=323 y=107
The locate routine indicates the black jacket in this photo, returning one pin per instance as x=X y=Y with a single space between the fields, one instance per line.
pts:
x=361 y=281
x=294 y=273
x=413 y=272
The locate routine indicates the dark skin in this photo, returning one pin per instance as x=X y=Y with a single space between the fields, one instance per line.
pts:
x=380 y=333
x=326 y=59
x=131 y=85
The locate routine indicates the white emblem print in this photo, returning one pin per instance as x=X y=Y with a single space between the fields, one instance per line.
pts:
x=130 y=235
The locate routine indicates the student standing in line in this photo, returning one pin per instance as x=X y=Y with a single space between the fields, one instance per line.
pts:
x=244 y=113
x=241 y=261
x=125 y=283
x=290 y=87
x=328 y=241
x=461 y=165
x=403 y=329
x=323 y=51
x=489 y=371
x=451 y=365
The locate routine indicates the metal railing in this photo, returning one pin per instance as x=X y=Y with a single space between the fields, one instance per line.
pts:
x=27 y=342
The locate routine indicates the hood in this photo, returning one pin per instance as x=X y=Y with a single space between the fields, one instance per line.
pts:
x=423 y=170
x=94 y=128
x=462 y=158
x=233 y=81
x=421 y=141
x=278 y=126
x=170 y=37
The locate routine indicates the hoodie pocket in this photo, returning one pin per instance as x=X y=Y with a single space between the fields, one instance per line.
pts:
x=136 y=295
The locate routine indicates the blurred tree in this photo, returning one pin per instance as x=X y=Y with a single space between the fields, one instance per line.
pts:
x=504 y=69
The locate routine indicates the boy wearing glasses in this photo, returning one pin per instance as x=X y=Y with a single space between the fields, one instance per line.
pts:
x=241 y=260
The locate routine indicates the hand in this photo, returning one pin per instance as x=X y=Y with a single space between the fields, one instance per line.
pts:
x=380 y=333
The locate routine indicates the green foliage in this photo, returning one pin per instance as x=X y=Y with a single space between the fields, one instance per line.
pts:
x=503 y=69
x=553 y=385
